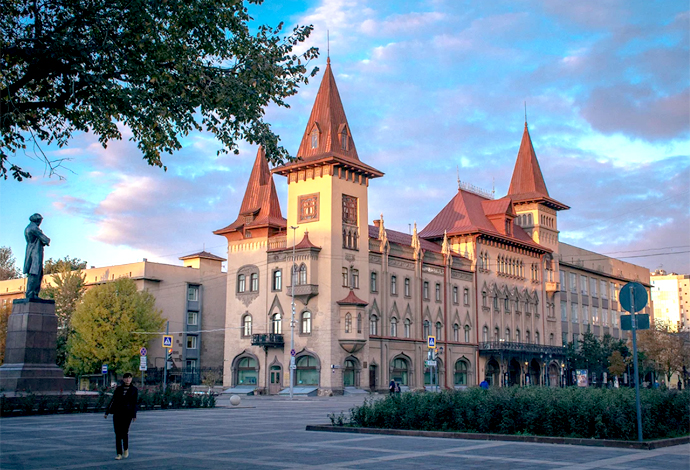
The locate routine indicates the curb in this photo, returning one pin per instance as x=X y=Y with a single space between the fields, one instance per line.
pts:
x=645 y=445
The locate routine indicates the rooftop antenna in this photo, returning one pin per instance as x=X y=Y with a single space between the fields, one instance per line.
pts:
x=458 y=177
x=525 y=113
x=493 y=188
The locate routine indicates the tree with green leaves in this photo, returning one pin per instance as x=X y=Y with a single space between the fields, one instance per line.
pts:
x=161 y=68
x=8 y=266
x=665 y=350
x=109 y=325
x=51 y=266
x=66 y=288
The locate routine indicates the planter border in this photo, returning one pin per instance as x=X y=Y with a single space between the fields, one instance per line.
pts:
x=644 y=445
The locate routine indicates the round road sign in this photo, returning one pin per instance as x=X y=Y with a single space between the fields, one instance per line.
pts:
x=292 y=352
x=633 y=292
x=143 y=351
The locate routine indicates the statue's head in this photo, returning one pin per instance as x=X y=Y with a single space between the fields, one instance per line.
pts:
x=36 y=218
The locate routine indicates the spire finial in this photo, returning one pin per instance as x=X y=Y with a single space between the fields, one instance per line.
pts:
x=525 y=113
x=328 y=47
x=493 y=187
x=458 y=177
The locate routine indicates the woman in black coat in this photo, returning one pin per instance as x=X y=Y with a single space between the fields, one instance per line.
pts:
x=123 y=407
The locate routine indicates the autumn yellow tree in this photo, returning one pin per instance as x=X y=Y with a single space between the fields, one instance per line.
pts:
x=109 y=327
x=664 y=348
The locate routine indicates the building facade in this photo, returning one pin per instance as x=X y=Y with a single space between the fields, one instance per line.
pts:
x=191 y=297
x=482 y=278
x=671 y=294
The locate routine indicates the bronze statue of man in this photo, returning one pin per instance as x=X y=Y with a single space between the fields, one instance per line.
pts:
x=33 y=262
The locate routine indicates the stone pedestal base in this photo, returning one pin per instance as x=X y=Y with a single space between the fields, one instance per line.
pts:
x=30 y=351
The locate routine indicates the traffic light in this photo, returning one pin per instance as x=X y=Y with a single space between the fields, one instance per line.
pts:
x=169 y=358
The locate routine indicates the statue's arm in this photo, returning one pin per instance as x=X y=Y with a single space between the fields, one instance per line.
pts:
x=41 y=236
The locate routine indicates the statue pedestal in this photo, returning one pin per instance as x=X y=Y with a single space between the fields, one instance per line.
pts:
x=30 y=351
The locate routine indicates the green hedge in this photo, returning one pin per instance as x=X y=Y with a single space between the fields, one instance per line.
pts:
x=569 y=412
x=31 y=403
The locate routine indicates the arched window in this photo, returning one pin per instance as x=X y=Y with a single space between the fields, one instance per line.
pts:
x=302 y=274
x=536 y=337
x=348 y=322
x=306 y=322
x=551 y=339
x=484 y=300
x=427 y=329
x=527 y=336
x=439 y=327
x=456 y=332
x=374 y=325
x=277 y=324
x=254 y=286
x=517 y=335
x=507 y=334
x=485 y=333
x=277 y=280
x=359 y=323
x=307 y=371
x=394 y=327
x=460 y=375
x=408 y=325
x=496 y=334
x=467 y=333
x=247 y=325
x=314 y=138
x=241 y=283
x=247 y=371
x=399 y=371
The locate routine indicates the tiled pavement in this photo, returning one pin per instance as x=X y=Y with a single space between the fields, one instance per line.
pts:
x=269 y=433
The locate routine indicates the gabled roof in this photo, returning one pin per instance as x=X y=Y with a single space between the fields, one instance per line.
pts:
x=403 y=239
x=328 y=118
x=260 y=206
x=204 y=255
x=306 y=243
x=468 y=213
x=527 y=183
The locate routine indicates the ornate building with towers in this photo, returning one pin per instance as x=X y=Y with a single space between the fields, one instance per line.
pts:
x=482 y=278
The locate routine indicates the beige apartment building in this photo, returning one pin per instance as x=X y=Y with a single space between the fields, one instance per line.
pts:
x=588 y=297
x=191 y=297
x=671 y=294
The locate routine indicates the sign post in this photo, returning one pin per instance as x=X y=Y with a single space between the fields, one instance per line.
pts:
x=633 y=298
x=167 y=343
x=142 y=364
x=104 y=371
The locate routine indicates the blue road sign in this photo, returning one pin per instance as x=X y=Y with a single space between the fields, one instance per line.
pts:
x=293 y=352
x=167 y=341
x=639 y=296
x=142 y=352
x=104 y=369
x=431 y=342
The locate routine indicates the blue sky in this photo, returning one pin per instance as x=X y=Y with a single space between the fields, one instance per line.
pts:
x=431 y=89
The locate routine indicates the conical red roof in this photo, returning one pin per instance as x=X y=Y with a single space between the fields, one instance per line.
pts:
x=528 y=183
x=260 y=206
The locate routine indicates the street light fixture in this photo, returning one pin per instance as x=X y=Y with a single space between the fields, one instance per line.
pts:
x=292 y=317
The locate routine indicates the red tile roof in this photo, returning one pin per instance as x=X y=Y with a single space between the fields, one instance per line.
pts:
x=204 y=255
x=404 y=239
x=528 y=183
x=306 y=243
x=260 y=206
x=352 y=299
x=328 y=116
x=467 y=213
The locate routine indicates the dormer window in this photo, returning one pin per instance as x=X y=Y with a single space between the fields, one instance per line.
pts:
x=314 y=137
x=343 y=140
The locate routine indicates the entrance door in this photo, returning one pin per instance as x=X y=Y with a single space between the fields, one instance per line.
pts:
x=275 y=383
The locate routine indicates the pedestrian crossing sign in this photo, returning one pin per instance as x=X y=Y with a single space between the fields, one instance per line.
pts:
x=167 y=341
x=431 y=342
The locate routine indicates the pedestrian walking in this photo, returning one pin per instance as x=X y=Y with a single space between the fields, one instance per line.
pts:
x=397 y=388
x=123 y=407
x=391 y=387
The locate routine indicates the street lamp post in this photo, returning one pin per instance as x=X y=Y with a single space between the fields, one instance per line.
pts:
x=292 y=317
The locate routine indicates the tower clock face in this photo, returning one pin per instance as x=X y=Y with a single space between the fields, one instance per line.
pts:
x=349 y=209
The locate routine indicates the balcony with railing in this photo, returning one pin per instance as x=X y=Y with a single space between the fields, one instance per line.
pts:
x=489 y=347
x=268 y=340
x=303 y=292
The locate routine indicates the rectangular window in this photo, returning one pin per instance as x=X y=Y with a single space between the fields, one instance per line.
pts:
x=466 y=296
x=564 y=311
x=192 y=318
x=193 y=293
x=573 y=313
x=407 y=287
x=373 y=284
x=575 y=339
x=191 y=364
x=241 y=283
x=438 y=292
x=394 y=285
x=426 y=290
x=255 y=282
x=349 y=209
x=562 y=279
x=308 y=208
x=564 y=338
x=573 y=283
x=593 y=287
x=603 y=287
x=496 y=303
x=585 y=315
x=455 y=294
x=583 y=284
x=346 y=275
x=355 y=279
x=277 y=280
x=614 y=291
x=191 y=342
x=595 y=315
x=605 y=317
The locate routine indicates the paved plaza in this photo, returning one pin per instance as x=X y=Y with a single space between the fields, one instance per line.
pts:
x=269 y=433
